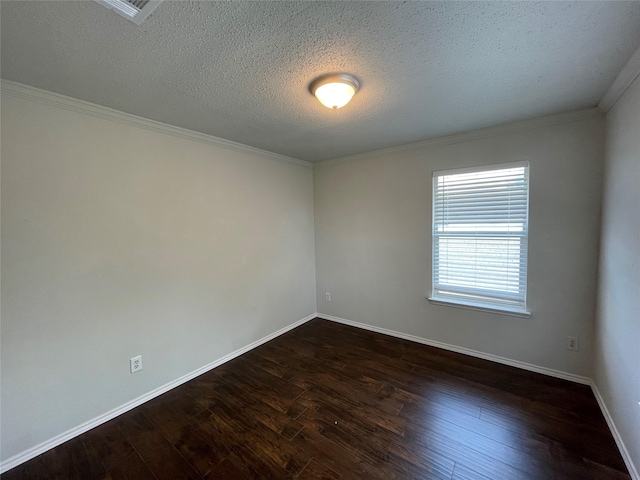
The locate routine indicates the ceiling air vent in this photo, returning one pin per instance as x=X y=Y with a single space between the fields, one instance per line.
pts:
x=133 y=10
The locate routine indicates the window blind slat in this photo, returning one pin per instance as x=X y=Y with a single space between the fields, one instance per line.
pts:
x=480 y=228
x=482 y=272
x=471 y=203
x=471 y=276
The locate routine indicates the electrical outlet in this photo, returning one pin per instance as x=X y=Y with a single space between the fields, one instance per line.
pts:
x=136 y=364
x=327 y=296
x=572 y=344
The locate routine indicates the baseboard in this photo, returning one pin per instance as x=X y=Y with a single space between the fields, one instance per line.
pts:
x=466 y=351
x=105 y=417
x=80 y=429
x=633 y=471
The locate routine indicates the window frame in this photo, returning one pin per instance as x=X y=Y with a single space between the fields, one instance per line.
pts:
x=482 y=303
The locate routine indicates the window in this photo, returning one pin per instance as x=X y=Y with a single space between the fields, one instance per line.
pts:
x=480 y=229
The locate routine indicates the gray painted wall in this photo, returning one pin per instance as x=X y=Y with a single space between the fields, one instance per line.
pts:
x=119 y=241
x=617 y=360
x=373 y=242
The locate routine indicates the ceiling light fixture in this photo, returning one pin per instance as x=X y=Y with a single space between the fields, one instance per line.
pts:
x=334 y=91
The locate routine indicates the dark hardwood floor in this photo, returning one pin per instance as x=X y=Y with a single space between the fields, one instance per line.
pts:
x=327 y=401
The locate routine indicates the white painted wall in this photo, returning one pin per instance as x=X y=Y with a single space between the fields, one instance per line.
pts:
x=119 y=241
x=373 y=240
x=617 y=359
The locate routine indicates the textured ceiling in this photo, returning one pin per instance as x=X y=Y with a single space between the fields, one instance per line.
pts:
x=240 y=70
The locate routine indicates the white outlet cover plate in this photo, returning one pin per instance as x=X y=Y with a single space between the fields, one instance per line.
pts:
x=136 y=364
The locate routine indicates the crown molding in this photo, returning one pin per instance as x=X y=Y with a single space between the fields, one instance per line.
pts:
x=68 y=103
x=513 y=127
x=625 y=78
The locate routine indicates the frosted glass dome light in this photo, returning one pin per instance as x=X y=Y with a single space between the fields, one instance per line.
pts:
x=334 y=91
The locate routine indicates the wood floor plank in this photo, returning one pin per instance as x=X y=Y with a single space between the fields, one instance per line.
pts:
x=246 y=460
x=253 y=407
x=386 y=451
x=317 y=471
x=227 y=471
x=162 y=458
x=461 y=472
x=328 y=401
x=83 y=464
x=116 y=453
x=203 y=456
x=571 y=435
x=345 y=462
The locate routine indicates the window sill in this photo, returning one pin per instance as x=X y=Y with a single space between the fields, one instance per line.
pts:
x=480 y=308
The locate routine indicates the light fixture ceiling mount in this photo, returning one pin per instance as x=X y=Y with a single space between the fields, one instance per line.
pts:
x=334 y=90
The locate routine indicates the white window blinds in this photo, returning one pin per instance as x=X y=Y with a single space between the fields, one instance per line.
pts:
x=480 y=229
